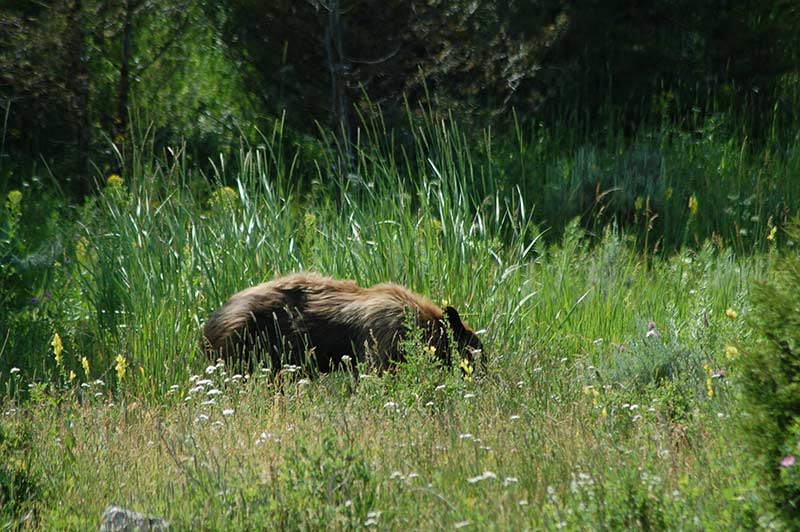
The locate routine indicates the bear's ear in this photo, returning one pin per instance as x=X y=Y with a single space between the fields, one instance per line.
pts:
x=454 y=320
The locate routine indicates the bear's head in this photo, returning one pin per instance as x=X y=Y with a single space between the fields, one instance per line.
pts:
x=468 y=345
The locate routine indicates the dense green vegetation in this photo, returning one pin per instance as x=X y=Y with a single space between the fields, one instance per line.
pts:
x=78 y=77
x=610 y=397
x=602 y=189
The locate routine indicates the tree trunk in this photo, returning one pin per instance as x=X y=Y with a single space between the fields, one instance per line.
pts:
x=336 y=65
x=123 y=90
x=80 y=95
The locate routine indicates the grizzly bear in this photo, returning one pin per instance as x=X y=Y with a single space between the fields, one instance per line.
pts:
x=306 y=317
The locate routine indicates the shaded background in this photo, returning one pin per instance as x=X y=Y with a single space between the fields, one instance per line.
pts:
x=207 y=73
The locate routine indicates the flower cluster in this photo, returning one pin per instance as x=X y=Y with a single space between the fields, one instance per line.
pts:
x=58 y=349
x=468 y=369
x=694 y=205
x=14 y=201
x=121 y=367
x=223 y=197
x=115 y=182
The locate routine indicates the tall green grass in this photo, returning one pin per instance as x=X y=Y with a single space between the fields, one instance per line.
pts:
x=606 y=402
x=489 y=224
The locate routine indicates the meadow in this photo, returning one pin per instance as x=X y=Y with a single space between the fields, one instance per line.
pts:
x=612 y=277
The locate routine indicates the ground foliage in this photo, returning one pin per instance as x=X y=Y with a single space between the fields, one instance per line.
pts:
x=609 y=191
x=611 y=397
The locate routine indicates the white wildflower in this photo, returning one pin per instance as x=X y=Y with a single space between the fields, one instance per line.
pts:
x=486 y=475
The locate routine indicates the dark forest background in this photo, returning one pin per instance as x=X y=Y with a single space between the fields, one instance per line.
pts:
x=76 y=74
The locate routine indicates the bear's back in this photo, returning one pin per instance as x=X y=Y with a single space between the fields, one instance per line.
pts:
x=333 y=316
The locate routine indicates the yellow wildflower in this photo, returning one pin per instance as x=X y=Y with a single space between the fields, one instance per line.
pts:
x=731 y=352
x=223 y=196
x=115 y=181
x=639 y=203
x=85 y=364
x=604 y=413
x=71 y=375
x=694 y=205
x=80 y=248
x=14 y=199
x=709 y=383
x=58 y=348
x=467 y=368
x=429 y=350
x=121 y=367
x=771 y=235
x=731 y=313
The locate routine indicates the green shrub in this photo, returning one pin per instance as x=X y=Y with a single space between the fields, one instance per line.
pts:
x=769 y=368
x=19 y=487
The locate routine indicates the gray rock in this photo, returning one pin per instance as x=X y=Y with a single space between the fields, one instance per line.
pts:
x=116 y=519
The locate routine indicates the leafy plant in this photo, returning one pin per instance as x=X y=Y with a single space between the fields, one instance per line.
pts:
x=769 y=373
x=20 y=489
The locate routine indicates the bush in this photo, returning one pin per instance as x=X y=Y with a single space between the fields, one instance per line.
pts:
x=769 y=370
x=20 y=490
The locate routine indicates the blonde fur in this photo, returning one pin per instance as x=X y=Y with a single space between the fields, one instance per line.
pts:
x=283 y=319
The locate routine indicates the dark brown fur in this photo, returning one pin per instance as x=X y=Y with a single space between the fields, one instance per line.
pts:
x=282 y=320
